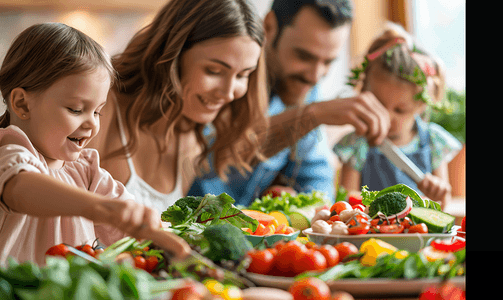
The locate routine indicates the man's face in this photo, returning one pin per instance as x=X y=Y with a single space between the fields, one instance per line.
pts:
x=303 y=54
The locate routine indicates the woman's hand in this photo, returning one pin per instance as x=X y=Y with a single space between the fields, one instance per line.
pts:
x=436 y=189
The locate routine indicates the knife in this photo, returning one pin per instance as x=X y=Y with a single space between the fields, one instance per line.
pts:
x=401 y=161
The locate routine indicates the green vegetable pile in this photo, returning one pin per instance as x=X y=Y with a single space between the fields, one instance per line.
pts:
x=389 y=204
x=369 y=196
x=413 y=266
x=74 y=278
x=286 y=202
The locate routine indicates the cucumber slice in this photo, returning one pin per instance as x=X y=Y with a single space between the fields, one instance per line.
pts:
x=436 y=221
x=299 y=221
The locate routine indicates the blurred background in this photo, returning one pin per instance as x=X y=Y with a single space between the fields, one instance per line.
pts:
x=437 y=25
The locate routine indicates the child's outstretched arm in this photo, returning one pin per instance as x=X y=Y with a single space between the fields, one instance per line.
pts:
x=436 y=186
x=43 y=196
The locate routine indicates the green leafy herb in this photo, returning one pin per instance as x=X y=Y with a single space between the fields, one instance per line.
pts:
x=286 y=202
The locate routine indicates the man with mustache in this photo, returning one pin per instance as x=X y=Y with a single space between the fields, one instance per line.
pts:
x=303 y=38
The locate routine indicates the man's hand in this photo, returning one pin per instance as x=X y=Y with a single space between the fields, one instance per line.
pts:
x=369 y=117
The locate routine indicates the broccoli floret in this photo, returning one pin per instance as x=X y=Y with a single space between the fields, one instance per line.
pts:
x=226 y=241
x=389 y=204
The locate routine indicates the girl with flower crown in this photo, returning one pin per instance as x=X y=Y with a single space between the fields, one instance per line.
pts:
x=407 y=82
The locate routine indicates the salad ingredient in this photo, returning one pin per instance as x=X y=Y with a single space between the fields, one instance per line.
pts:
x=309 y=260
x=281 y=218
x=393 y=228
x=448 y=245
x=436 y=221
x=288 y=255
x=341 y=295
x=261 y=217
x=354 y=199
x=288 y=203
x=191 y=291
x=444 y=290
x=323 y=214
x=278 y=190
x=261 y=261
x=418 y=228
x=340 y=206
x=372 y=249
x=87 y=249
x=331 y=254
x=389 y=204
x=231 y=292
x=299 y=221
x=369 y=196
x=310 y=288
x=140 y=262
x=339 y=228
x=265 y=293
x=321 y=226
x=226 y=242
x=347 y=214
x=358 y=224
x=346 y=249
x=58 y=250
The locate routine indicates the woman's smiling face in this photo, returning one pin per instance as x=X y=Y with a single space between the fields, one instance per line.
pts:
x=215 y=72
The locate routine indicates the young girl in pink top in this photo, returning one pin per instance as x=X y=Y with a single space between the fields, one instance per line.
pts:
x=54 y=81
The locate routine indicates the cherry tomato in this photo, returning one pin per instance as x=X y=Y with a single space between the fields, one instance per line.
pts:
x=87 y=249
x=288 y=256
x=261 y=261
x=345 y=249
x=393 y=228
x=140 y=262
x=340 y=206
x=58 y=250
x=419 y=228
x=378 y=221
x=331 y=254
x=310 y=288
x=151 y=263
x=406 y=222
x=358 y=225
x=310 y=260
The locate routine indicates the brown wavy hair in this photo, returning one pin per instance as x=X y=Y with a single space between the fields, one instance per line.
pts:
x=44 y=53
x=149 y=72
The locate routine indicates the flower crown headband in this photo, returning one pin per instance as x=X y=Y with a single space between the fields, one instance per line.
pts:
x=419 y=76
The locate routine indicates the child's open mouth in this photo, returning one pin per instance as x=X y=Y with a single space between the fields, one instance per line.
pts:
x=78 y=141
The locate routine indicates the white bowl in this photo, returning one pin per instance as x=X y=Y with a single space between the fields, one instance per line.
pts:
x=411 y=242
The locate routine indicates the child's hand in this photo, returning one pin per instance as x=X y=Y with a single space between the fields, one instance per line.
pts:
x=435 y=188
x=141 y=222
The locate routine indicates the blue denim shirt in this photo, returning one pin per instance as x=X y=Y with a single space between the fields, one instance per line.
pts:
x=305 y=170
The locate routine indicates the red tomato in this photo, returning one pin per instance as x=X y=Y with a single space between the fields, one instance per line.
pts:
x=354 y=199
x=407 y=222
x=335 y=218
x=58 y=250
x=310 y=260
x=140 y=262
x=393 y=228
x=445 y=291
x=331 y=254
x=345 y=249
x=87 y=249
x=152 y=262
x=275 y=191
x=419 y=228
x=310 y=288
x=288 y=256
x=340 y=206
x=358 y=225
x=261 y=261
x=463 y=224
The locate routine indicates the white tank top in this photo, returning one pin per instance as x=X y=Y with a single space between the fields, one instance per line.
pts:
x=143 y=192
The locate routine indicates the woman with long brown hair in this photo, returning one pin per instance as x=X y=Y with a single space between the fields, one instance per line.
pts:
x=198 y=62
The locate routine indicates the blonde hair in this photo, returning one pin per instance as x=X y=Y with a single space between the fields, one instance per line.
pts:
x=44 y=53
x=148 y=71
